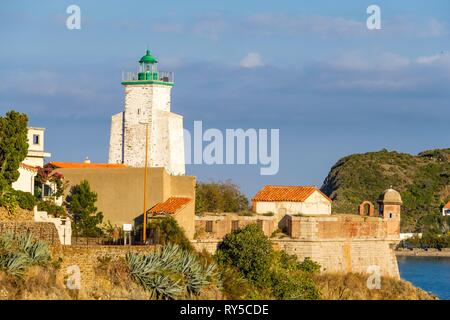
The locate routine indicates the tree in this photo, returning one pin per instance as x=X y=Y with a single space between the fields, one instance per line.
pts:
x=275 y=274
x=249 y=250
x=13 y=147
x=81 y=206
x=219 y=197
x=169 y=231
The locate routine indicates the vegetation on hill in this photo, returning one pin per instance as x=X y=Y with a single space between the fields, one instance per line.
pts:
x=219 y=197
x=422 y=180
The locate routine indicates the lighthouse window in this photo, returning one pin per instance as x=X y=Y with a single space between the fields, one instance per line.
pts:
x=35 y=139
x=390 y=215
x=139 y=111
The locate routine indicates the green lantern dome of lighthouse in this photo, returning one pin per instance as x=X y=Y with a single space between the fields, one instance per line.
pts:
x=148 y=58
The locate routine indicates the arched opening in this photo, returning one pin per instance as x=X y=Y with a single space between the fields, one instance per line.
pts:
x=366 y=208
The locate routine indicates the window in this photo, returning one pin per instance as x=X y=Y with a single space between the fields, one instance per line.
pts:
x=234 y=225
x=139 y=111
x=390 y=215
x=36 y=139
x=48 y=192
x=209 y=226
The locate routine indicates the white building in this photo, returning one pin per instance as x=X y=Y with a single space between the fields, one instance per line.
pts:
x=34 y=159
x=292 y=200
x=25 y=182
x=36 y=153
x=147 y=107
x=446 y=209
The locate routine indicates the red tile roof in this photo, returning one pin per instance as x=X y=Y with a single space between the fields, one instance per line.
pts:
x=286 y=193
x=28 y=167
x=447 y=206
x=81 y=165
x=170 y=206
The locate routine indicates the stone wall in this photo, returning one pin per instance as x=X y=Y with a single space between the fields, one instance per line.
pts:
x=45 y=231
x=87 y=258
x=343 y=226
x=344 y=255
x=222 y=224
x=209 y=246
x=333 y=256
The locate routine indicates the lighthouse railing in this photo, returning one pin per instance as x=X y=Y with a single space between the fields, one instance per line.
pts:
x=163 y=76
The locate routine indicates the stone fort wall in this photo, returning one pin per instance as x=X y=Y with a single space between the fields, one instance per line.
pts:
x=339 y=243
x=334 y=255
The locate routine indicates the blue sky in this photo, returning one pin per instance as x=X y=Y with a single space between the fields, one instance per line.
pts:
x=311 y=69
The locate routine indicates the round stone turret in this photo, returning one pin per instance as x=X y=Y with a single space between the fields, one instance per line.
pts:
x=390 y=202
x=390 y=196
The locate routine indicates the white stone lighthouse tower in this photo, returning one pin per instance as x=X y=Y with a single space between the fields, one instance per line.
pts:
x=147 y=102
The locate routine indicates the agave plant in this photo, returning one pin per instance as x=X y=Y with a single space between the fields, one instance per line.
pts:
x=18 y=254
x=170 y=272
x=14 y=263
x=36 y=251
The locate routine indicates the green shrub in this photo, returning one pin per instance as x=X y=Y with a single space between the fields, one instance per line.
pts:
x=25 y=200
x=249 y=250
x=248 y=261
x=9 y=201
x=428 y=240
x=288 y=285
x=169 y=232
x=309 y=266
x=51 y=208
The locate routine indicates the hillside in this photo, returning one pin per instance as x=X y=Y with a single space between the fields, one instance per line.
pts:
x=423 y=181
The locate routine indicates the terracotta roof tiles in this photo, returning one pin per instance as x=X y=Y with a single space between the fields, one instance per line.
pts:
x=82 y=165
x=28 y=167
x=447 y=206
x=286 y=193
x=170 y=206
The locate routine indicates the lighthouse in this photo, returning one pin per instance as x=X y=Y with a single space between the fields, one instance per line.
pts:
x=147 y=116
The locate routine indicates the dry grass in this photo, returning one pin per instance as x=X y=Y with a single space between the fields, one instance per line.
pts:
x=38 y=283
x=353 y=286
x=18 y=215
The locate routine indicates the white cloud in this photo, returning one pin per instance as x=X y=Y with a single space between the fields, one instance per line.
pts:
x=441 y=59
x=252 y=60
x=357 y=62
